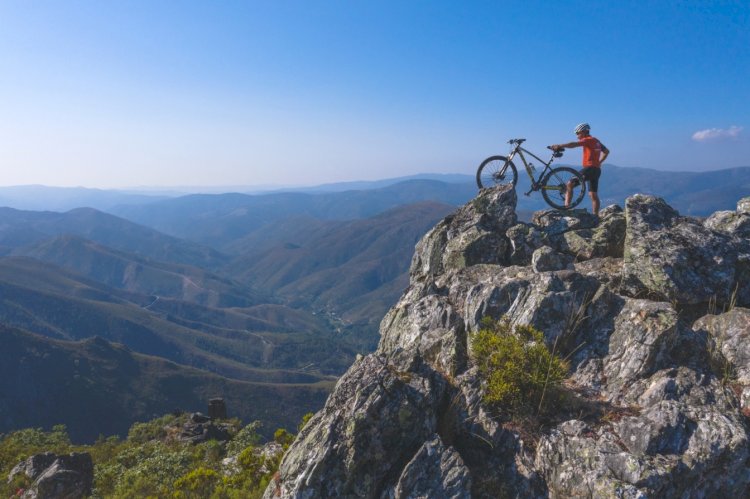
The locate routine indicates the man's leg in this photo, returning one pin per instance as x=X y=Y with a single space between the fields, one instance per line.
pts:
x=594 y=202
x=568 y=193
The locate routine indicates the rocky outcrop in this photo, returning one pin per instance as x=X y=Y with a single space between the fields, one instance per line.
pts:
x=60 y=477
x=200 y=428
x=649 y=307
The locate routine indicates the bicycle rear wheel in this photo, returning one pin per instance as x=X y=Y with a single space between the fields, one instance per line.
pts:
x=496 y=170
x=554 y=187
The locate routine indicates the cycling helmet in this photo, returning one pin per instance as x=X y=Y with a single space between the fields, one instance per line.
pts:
x=582 y=127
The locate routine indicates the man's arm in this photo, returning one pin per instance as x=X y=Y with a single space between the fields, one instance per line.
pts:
x=605 y=153
x=565 y=146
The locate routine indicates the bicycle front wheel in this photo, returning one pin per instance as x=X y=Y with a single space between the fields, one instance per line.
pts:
x=496 y=170
x=556 y=184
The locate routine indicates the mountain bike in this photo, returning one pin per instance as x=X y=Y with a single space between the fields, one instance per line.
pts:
x=553 y=182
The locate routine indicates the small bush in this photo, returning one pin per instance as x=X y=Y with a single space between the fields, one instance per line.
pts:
x=198 y=483
x=518 y=370
x=307 y=417
x=246 y=437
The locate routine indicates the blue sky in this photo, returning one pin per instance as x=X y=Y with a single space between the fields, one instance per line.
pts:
x=163 y=93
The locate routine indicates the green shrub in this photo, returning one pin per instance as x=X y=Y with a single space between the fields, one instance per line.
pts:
x=307 y=417
x=246 y=437
x=198 y=483
x=156 y=429
x=519 y=372
x=283 y=437
x=151 y=463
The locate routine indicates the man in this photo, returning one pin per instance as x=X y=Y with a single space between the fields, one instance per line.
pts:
x=594 y=154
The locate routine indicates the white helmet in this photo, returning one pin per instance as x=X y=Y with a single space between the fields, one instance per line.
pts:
x=583 y=127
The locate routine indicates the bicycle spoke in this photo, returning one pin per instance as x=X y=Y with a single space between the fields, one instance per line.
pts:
x=496 y=170
x=556 y=184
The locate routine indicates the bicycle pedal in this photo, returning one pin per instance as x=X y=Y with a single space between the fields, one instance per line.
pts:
x=528 y=193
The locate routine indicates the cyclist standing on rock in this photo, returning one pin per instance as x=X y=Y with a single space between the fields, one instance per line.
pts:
x=594 y=154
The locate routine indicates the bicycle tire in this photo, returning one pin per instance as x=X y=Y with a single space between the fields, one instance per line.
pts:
x=553 y=188
x=489 y=172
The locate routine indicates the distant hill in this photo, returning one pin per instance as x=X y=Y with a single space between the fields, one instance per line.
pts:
x=22 y=228
x=129 y=272
x=244 y=343
x=45 y=198
x=688 y=188
x=99 y=388
x=356 y=269
x=219 y=220
x=691 y=193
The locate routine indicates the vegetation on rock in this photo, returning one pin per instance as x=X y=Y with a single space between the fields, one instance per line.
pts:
x=519 y=371
x=154 y=462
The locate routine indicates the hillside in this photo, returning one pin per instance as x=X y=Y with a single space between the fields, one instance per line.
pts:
x=22 y=228
x=263 y=343
x=99 y=388
x=350 y=270
x=130 y=272
x=219 y=220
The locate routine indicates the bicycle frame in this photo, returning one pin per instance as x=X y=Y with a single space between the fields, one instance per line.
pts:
x=517 y=149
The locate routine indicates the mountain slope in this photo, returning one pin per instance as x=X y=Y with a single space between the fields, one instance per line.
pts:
x=219 y=220
x=355 y=269
x=249 y=344
x=133 y=273
x=21 y=228
x=99 y=388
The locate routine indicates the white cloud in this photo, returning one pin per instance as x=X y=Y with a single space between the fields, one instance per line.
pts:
x=732 y=132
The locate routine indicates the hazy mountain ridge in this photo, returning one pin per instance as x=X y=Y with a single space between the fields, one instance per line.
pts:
x=46 y=198
x=219 y=220
x=132 y=273
x=23 y=228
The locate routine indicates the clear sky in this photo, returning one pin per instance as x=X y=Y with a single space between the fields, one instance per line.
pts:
x=159 y=93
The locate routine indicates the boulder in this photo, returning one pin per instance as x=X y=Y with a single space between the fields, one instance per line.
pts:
x=524 y=239
x=607 y=239
x=730 y=347
x=474 y=234
x=436 y=470
x=545 y=259
x=675 y=259
x=732 y=222
x=429 y=328
x=372 y=425
x=200 y=428
x=54 y=476
x=554 y=222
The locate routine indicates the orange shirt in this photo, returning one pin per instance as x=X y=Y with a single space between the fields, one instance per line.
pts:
x=592 y=151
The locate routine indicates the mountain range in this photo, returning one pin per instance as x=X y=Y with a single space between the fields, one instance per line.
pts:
x=281 y=289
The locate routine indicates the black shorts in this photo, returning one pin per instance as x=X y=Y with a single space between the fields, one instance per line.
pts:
x=591 y=175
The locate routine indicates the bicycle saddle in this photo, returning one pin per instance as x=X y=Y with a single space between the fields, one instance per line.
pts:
x=516 y=141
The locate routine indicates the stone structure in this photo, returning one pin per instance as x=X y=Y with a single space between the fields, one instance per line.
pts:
x=217 y=408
